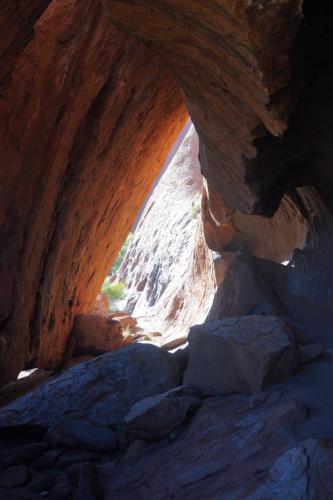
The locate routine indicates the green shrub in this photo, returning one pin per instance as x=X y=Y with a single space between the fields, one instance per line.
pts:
x=115 y=290
x=195 y=208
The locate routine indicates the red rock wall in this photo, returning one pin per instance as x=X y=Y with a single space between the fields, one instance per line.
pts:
x=87 y=119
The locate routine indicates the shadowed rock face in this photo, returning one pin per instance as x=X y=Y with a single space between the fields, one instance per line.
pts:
x=254 y=76
x=87 y=118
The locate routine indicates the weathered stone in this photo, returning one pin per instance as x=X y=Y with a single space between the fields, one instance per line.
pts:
x=14 y=476
x=88 y=487
x=310 y=352
x=101 y=306
x=124 y=320
x=48 y=459
x=240 y=354
x=79 y=434
x=100 y=391
x=80 y=120
x=22 y=455
x=94 y=335
x=17 y=388
x=79 y=456
x=168 y=269
x=155 y=417
x=41 y=482
x=245 y=290
x=225 y=448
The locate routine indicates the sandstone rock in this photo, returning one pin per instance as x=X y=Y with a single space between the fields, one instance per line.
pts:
x=18 y=388
x=310 y=352
x=245 y=290
x=124 y=319
x=14 y=476
x=79 y=122
x=100 y=391
x=155 y=417
x=240 y=354
x=95 y=335
x=80 y=434
x=23 y=454
x=88 y=486
x=75 y=457
x=48 y=459
x=241 y=105
x=215 y=454
x=298 y=471
x=101 y=306
x=168 y=270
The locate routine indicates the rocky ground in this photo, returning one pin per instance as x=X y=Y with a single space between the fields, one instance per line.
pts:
x=247 y=415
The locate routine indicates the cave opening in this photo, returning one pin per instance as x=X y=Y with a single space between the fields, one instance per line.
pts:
x=163 y=277
x=245 y=410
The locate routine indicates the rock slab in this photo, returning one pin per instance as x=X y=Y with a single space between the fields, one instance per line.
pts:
x=157 y=416
x=240 y=355
x=100 y=391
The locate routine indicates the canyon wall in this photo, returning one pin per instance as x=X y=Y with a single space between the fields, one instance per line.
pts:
x=168 y=270
x=87 y=119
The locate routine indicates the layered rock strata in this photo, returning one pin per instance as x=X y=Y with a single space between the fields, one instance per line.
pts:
x=87 y=119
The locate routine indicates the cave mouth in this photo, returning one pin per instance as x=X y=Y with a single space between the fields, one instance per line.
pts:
x=156 y=277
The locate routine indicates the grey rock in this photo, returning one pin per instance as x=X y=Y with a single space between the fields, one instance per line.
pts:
x=155 y=417
x=23 y=454
x=41 y=482
x=48 y=459
x=88 y=487
x=290 y=466
x=135 y=448
x=225 y=452
x=310 y=352
x=240 y=355
x=257 y=399
x=76 y=456
x=14 y=476
x=181 y=357
x=100 y=391
x=79 y=434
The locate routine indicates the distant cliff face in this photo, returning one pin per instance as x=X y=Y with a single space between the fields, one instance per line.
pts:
x=168 y=269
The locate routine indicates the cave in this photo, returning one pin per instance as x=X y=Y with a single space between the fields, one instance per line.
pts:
x=92 y=99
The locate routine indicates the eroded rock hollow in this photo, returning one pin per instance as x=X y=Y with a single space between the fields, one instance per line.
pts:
x=93 y=96
x=88 y=115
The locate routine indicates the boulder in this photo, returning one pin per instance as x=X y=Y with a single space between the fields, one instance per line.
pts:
x=80 y=434
x=245 y=289
x=124 y=319
x=22 y=454
x=240 y=355
x=155 y=417
x=100 y=391
x=95 y=335
x=14 y=476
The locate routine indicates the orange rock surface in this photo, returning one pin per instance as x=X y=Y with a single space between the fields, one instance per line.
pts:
x=87 y=119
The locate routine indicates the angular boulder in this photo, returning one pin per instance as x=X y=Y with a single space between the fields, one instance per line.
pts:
x=95 y=335
x=155 y=417
x=240 y=355
x=100 y=391
x=80 y=434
